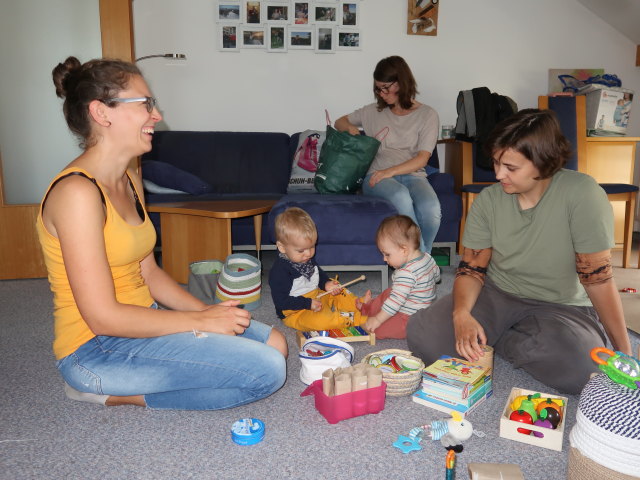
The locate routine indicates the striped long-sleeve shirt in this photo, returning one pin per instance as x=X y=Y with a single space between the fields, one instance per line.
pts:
x=413 y=286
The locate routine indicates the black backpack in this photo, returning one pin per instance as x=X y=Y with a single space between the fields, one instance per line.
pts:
x=479 y=111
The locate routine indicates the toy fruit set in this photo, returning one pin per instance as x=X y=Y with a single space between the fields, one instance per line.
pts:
x=534 y=418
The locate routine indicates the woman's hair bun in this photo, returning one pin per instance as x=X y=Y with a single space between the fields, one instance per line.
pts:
x=62 y=73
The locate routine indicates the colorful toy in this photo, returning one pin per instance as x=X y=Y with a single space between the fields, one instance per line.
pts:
x=451 y=432
x=542 y=423
x=550 y=415
x=522 y=417
x=450 y=464
x=619 y=367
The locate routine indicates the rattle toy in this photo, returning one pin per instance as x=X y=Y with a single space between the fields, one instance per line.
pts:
x=451 y=432
x=619 y=367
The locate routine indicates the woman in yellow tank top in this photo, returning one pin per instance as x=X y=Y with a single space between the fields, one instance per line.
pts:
x=112 y=344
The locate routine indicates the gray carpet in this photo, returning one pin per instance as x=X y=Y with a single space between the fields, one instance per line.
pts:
x=43 y=435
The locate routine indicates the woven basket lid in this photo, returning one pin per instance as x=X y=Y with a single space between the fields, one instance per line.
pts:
x=611 y=406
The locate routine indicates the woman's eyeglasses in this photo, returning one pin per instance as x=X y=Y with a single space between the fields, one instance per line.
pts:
x=149 y=102
x=384 y=88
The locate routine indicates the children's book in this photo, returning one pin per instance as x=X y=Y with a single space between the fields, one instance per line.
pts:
x=481 y=387
x=459 y=391
x=454 y=371
x=444 y=405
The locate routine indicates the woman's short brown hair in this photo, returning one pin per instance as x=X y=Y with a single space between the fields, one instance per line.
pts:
x=536 y=135
x=395 y=69
x=401 y=230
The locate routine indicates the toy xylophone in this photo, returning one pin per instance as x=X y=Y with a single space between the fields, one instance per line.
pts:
x=350 y=334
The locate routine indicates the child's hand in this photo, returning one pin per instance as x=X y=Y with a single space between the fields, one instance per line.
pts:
x=333 y=287
x=372 y=323
x=316 y=305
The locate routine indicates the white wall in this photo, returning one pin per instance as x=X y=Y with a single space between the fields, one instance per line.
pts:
x=35 y=35
x=507 y=45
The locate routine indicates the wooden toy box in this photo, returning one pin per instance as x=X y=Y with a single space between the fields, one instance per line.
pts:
x=509 y=428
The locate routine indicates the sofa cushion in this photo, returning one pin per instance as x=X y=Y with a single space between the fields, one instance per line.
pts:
x=174 y=178
x=340 y=219
x=151 y=187
x=231 y=162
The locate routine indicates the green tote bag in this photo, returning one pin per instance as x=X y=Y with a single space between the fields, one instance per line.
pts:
x=344 y=161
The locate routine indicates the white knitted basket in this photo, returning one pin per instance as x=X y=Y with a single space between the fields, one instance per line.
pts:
x=607 y=428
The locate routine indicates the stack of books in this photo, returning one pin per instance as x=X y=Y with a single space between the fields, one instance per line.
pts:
x=454 y=384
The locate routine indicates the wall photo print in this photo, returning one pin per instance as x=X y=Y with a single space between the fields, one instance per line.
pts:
x=253 y=13
x=253 y=37
x=276 y=38
x=325 y=13
x=349 y=12
x=301 y=13
x=281 y=26
x=300 y=38
x=422 y=17
x=229 y=12
x=228 y=38
x=326 y=39
x=277 y=12
x=349 y=39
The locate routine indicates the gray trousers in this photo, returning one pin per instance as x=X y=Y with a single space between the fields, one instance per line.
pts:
x=550 y=341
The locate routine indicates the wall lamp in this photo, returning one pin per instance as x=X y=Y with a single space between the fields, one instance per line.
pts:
x=173 y=56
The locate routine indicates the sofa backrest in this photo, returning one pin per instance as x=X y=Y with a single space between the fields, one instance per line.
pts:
x=231 y=162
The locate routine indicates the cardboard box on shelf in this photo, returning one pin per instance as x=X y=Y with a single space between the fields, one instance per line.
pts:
x=551 y=439
x=608 y=109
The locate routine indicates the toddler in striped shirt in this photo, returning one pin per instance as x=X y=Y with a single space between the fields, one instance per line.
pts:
x=413 y=284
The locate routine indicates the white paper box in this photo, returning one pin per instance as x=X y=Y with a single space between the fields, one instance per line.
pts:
x=509 y=428
x=608 y=109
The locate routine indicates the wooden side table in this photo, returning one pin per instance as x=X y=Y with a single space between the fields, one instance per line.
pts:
x=193 y=231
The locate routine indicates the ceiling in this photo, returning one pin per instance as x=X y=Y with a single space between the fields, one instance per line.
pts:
x=623 y=15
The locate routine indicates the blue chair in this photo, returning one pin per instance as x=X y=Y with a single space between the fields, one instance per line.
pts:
x=474 y=180
x=571 y=112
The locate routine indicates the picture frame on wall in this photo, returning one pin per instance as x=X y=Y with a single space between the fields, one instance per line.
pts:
x=228 y=38
x=349 y=14
x=325 y=13
x=300 y=38
x=229 y=12
x=252 y=37
x=253 y=12
x=277 y=12
x=301 y=13
x=277 y=38
x=326 y=39
x=349 y=39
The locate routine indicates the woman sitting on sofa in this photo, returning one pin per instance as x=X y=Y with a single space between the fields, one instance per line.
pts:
x=113 y=345
x=398 y=169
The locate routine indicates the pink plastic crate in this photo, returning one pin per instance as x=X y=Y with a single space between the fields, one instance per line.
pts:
x=354 y=404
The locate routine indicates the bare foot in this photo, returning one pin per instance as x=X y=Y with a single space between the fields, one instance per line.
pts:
x=366 y=299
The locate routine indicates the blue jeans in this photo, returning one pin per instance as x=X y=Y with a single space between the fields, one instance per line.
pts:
x=180 y=371
x=412 y=196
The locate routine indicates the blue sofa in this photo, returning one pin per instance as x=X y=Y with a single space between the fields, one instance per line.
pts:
x=186 y=165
